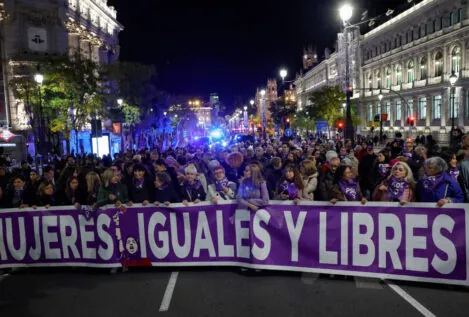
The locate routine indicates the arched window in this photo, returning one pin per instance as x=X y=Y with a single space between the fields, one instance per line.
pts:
x=423 y=68
x=378 y=79
x=456 y=59
x=388 y=77
x=438 y=64
x=398 y=75
x=410 y=71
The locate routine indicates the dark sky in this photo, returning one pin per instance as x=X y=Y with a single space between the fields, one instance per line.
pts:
x=228 y=47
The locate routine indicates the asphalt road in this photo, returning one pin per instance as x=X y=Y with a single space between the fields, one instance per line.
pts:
x=218 y=292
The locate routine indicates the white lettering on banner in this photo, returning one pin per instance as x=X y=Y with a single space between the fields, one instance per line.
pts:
x=20 y=253
x=159 y=252
x=141 y=235
x=35 y=253
x=69 y=241
x=181 y=251
x=363 y=219
x=389 y=245
x=86 y=236
x=344 y=238
x=262 y=234
x=415 y=242
x=50 y=237
x=3 y=252
x=325 y=257
x=444 y=244
x=200 y=242
x=107 y=252
x=242 y=233
x=294 y=231
x=223 y=249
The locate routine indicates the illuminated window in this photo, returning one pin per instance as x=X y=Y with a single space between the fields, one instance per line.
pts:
x=398 y=75
x=438 y=64
x=436 y=107
x=422 y=108
x=423 y=69
x=398 y=113
x=388 y=78
x=410 y=71
x=456 y=60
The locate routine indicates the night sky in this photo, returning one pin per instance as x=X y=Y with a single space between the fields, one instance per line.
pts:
x=229 y=47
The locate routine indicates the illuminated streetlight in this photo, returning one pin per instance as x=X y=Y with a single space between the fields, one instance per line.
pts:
x=283 y=74
x=453 y=79
x=245 y=108
x=120 y=102
x=251 y=102
x=380 y=96
x=39 y=78
x=262 y=92
x=165 y=113
x=176 y=116
x=346 y=12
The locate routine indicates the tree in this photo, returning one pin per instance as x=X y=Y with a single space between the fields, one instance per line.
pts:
x=281 y=110
x=303 y=122
x=326 y=104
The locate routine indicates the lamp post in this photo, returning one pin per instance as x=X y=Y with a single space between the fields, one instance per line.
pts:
x=345 y=13
x=283 y=73
x=380 y=97
x=263 y=114
x=246 y=123
x=39 y=79
x=452 y=80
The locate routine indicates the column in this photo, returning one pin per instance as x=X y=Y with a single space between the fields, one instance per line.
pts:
x=444 y=106
x=430 y=68
x=446 y=64
x=461 y=101
x=403 y=112
x=428 y=122
x=392 y=110
x=415 y=105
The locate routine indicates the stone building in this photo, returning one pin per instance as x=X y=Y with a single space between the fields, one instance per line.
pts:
x=33 y=28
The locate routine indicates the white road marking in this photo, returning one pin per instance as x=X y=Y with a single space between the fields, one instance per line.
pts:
x=169 y=291
x=4 y=276
x=309 y=278
x=424 y=311
x=370 y=283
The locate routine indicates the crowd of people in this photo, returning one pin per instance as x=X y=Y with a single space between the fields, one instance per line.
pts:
x=250 y=173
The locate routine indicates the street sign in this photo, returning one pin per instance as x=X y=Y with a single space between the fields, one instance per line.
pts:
x=321 y=126
x=288 y=132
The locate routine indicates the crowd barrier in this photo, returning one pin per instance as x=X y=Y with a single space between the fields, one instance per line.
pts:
x=415 y=242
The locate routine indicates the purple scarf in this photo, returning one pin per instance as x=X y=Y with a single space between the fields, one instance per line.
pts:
x=396 y=188
x=195 y=186
x=431 y=182
x=139 y=183
x=454 y=173
x=383 y=169
x=349 y=189
x=290 y=188
x=220 y=184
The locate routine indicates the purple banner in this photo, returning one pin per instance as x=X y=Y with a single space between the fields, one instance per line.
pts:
x=417 y=242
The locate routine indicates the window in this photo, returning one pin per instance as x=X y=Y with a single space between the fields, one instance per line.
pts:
x=378 y=79
x=454 y=107
x=387 y=108
x=434 y=26
x=451 y=19
x=422 y=108
x=398 y=75
x=378 y=109
x=370 y=113
x=395 y=42
x=425 y=29
x=410 y=71
x=459 y=15
x=388 y=78
x=438 y=64
x=456 y=60
x=411 y=35
x=410 y=107
x=436 y=108
x=398 y=114
x=370 y=82
x=423 y=69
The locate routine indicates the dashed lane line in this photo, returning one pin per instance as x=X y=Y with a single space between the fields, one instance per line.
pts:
x=168 y=294
x=422 y=309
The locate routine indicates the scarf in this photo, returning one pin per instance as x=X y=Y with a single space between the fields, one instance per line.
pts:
x=349 y=189
x=222 y=183
x=139 y=183
x=190 y=187
x=289 y=187
x=383 y=169
x=431 y=182
x=396 y=188
x=454 y=173
x=17 y=196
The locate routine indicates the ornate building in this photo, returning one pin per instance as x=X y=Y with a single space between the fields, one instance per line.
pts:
x=271 y=95
x=33 y=28
x=409 y=60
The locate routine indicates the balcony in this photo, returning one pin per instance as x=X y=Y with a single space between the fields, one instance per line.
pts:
x=368 y=93
x=396 y=87
x=420 y=83
x=434 y=80
x=407 y=86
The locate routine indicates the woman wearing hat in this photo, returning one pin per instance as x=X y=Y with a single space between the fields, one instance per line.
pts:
x=222 y=188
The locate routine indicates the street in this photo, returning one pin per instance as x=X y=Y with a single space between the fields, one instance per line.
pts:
x=218 y=292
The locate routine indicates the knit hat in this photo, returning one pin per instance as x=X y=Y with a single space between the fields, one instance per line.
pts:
x=171 y=161
x=212 y=164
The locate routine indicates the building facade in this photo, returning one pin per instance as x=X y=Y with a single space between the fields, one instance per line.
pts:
x=34 y=28
x=409 y=60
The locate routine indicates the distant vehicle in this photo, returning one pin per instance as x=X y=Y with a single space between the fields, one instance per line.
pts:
x=237 y=138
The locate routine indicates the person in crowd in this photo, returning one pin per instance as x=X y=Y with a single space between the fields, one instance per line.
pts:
x=234 y=163
x=164 y=191
x=452 y=162
x=161 y=167
x=437 y=186
x=380 y=168
x=261 y=158
x=5 y=178
x=34 y=180
x=326 y=180
x=47 y=196
x=73 y=194
x=111 y=191
x=222 y=188
x=140 y=188
x=273 y=173
x=345 y=187
x=310 y=178
x=93 y=183
x=366 y=180
x=290 y=186
x=192 y=189
x=252 y=193
x=19 y=195
x=25 y=169
x=398 y=186
x=48 y=174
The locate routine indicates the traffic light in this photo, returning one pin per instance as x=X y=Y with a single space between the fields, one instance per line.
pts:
x=350 y=91
x=340 y=127
x=411 y=120
x=287 y=123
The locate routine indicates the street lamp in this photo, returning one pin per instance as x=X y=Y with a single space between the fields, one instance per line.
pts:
x=251 y=102
x=283 y=73
x=120 y=101
x=345 y=12
x=380 y=97
x=165 y=113
x=39 y=79
x=263 y=114
x=452 y=80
